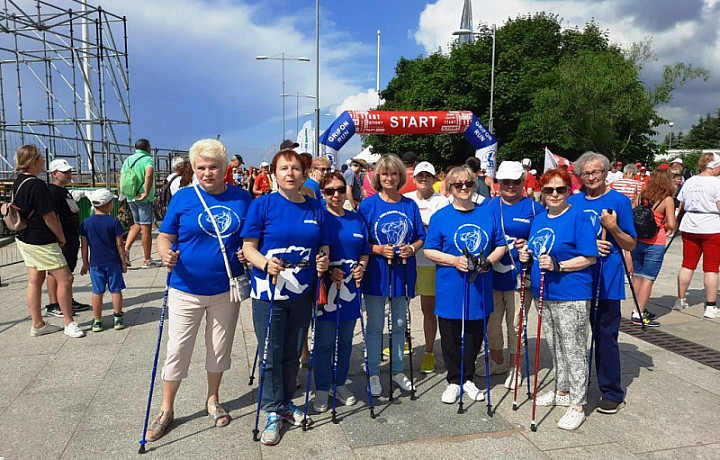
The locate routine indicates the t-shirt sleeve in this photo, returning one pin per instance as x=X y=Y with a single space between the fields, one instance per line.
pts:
x=365 y=250
x=498 y=237
x=433 y=239
x=254 y=224
x=349 y=176
x=586 y=243
x=83 y=228
x=119 y=230
x=625 y=218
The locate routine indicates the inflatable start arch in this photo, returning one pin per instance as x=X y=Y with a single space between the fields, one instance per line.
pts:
x=387 y=122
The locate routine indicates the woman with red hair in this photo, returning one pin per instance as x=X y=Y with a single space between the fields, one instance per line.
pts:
x=562 y=245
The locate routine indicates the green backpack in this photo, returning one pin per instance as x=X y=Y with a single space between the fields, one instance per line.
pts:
x=129 y=181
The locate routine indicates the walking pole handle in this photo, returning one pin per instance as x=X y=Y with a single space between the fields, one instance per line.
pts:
x=355 y=265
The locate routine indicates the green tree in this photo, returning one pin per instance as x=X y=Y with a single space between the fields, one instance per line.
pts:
x=705 y=134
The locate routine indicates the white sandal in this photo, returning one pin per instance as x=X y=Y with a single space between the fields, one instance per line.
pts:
x=571 y=420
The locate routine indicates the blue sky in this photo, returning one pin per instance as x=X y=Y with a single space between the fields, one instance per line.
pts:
x=193 y=71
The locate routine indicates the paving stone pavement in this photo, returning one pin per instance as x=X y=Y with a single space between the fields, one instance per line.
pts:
x=85 y=398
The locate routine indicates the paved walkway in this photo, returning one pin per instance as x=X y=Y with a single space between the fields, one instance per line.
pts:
x=85 y=398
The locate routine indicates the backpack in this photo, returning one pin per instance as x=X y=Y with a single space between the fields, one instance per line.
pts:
x=11 y=214
x=644 y=220
x=162 y=198
x=129 y=181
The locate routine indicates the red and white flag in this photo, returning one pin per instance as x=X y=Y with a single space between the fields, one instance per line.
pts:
x=553 y=161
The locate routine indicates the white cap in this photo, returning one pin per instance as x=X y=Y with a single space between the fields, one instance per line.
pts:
x=509 y=170
x=424 y=166
x=526 y=162
x=677 y=160
x=264 y=164
x=533 y=171
x=100 y=197
x=715 y=162
x=59 y=165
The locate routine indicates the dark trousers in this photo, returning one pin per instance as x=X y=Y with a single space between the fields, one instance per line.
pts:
x=607 y=352
x=289 y=326
x=450 y=341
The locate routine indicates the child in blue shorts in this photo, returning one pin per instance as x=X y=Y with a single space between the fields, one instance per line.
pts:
x=102 y=234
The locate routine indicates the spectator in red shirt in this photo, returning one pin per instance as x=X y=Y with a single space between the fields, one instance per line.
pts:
x=234 y=162
x=531 y=183
x=409 y=159
x=262 y=181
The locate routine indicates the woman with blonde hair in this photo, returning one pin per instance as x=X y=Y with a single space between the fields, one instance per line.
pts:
x=396 y=232
x=199 y=284
x=649 y=252
x=40 y=242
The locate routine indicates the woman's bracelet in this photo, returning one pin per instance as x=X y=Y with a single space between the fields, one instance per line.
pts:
x=413 y=249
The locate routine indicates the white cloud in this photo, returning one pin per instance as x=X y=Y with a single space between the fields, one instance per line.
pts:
x=693 y=40
x=364 y=100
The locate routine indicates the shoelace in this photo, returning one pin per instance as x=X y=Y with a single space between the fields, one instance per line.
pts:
x=272 y=422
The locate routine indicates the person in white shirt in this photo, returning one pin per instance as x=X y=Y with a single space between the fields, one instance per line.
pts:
x=428 y=201
x=615 y=172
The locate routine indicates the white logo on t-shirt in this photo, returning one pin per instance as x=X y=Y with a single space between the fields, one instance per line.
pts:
x=542 y=242
x=227 y=220
x=471 y=237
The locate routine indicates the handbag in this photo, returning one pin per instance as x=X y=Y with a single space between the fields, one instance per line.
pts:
x=239 y=285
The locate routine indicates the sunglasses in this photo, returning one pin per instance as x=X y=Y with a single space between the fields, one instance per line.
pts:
x=325 y=170
x=510 y=182
x=466 y=184
x=562 y=190
x=332 y=191
x=291 y=264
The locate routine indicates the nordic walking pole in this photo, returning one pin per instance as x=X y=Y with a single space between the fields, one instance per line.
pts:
x=255 y=361
x=312 y=346
x=365 y=354
x=263 y=366
x=335 y=353
x=519 y=335
x=389 y=321
x=143 y=441
x=408 y=331
x=466 y=302
x=482 y=262
x=596 y=307
x=533 y=426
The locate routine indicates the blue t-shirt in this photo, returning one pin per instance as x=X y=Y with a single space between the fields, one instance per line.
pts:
x=396 y=224
x=348 y=241
x=200 y=269
x=450 y=231
x=101 y=231
x=613 y=283
x=314 y=186
x=563 y=237
x=292 y=232
x=514 y=221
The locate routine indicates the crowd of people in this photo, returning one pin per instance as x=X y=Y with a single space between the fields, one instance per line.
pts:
x=370 y=235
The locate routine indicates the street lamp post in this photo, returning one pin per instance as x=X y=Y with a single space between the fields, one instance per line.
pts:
x=670 y=124
x=297 y=97
x=283 y=57
x=461 y=32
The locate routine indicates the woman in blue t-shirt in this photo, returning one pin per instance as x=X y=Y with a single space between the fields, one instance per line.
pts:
x=562 y=244
x=348 y=259
x=284 y=235
x=199 y=284
x=462 y=225
x=395 y=232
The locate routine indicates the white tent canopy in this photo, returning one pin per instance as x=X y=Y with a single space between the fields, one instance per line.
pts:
x=368 y=156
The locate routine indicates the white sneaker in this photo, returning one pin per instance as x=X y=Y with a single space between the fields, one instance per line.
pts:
x=375 y=385
x=46 y=329
x=495 y=368
x=510 y=380
x=402 y=382
x=571 y=420
x=712 y=312
x=320 y=404
x=451 y=393
x=680 y=304
x=553 y=399
x=345 y=396
x=74 y=331
x=472 y=392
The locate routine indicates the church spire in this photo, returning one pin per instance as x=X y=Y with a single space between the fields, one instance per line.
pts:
x=466 y=22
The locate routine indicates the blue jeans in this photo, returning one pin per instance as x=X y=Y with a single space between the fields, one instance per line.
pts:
x=290 y=321
x=607 y=351
x=375 y=308
x=141 y=211
x=324 y=349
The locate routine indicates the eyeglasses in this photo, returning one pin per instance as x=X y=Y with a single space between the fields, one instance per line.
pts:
x=507 y=182
x=562 y=190
x=332 y=191
x=596 y=173
x=466 y=184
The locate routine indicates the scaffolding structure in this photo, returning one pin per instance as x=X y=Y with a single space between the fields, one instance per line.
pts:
x=65 y=85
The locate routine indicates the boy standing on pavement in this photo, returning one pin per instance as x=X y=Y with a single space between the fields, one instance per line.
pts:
x=67 y=211
x=141 y=164
x=102 y=235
